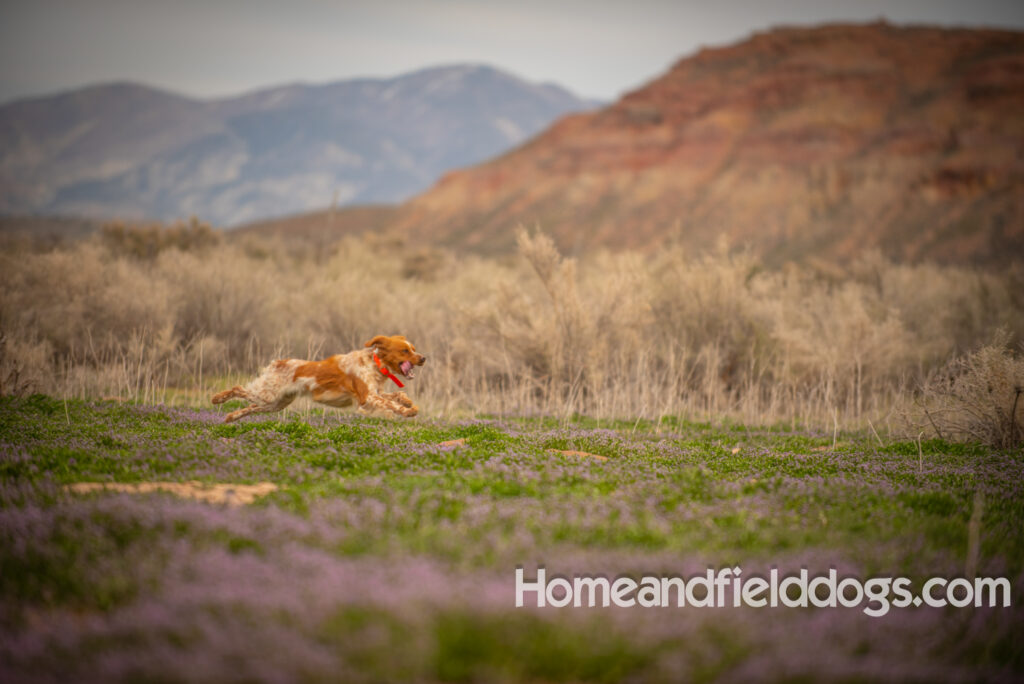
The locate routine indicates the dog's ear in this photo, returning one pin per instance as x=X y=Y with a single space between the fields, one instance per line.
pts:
x=379 y=339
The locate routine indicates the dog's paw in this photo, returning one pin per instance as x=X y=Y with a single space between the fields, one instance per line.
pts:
x=409 y=411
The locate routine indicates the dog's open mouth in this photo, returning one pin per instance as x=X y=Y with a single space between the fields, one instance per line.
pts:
x=406 y=368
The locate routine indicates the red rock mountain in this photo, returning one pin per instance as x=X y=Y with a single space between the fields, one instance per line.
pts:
x=797 y=141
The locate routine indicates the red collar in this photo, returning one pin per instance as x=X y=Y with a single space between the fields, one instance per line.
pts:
x=385 y=371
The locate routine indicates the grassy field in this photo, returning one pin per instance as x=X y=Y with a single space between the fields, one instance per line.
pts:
x=388 y=550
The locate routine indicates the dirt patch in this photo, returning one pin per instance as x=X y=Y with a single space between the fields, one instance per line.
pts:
x=230 y=494
x=838 y=445
x=580 y=454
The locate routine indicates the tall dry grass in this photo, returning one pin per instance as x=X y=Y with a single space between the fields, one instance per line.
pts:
x=613 y=335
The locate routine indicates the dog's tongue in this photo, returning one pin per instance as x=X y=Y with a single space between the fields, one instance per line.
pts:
x=406 y=368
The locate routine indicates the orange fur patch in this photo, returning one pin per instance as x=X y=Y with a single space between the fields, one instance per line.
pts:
x=330 y=382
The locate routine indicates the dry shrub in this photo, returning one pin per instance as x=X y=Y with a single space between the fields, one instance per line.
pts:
x=949 y=309
x=712 y=324
x=976 y=396
x=560 y=346
x=608 y=335
x=20 y=363
x=424 y=263
x=147 y=241
x=844 y=342
x=213 y=299
x=81 y=301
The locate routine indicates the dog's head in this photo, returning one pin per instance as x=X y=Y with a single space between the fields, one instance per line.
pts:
x=397 y=353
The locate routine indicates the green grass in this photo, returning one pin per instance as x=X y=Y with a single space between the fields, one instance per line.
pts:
x=367 y=488
x=757 y=492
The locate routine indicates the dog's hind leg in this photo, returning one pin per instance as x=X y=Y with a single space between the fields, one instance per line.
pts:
x=235 y=391
x=242 y=393
x=264 y=407
x=242 y=412
x=264 y=389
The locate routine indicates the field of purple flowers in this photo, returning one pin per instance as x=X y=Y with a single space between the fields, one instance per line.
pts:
x=388 y=550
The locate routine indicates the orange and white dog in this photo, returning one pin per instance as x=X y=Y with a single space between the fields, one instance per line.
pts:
x=360 y=377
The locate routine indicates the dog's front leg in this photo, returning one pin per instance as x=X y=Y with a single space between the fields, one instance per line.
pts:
x=384 y=403
x=399 y=398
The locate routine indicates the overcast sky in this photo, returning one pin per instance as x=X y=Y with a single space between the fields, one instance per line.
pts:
x=208 y=48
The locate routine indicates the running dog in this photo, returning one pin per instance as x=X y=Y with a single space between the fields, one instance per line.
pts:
x=358 y=377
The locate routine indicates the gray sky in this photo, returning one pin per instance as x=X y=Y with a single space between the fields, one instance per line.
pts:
x=224 y=47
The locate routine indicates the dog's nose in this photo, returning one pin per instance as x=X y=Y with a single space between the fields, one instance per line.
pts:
x=423 y=359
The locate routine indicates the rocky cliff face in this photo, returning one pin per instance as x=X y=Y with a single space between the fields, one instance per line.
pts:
x=827 y=140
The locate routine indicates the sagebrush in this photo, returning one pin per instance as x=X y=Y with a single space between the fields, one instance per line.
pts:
x=712 y=335
x=976 y=396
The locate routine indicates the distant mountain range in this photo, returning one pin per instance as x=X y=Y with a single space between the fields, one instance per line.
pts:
x=127 y=150
x=799 y=141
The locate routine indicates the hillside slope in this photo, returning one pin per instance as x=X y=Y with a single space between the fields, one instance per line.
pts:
x=825 y=140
